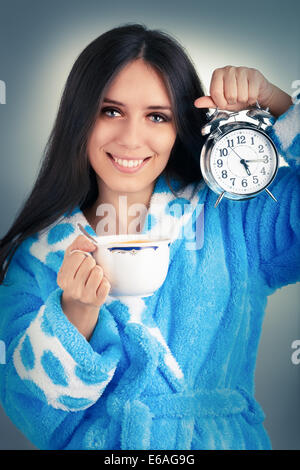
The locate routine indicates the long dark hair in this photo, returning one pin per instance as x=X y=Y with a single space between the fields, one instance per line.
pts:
x=66 y=179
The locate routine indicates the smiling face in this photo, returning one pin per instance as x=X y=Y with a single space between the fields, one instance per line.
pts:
x=136 y=123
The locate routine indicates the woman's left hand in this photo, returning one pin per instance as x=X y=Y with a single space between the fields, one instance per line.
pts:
x=236 y=88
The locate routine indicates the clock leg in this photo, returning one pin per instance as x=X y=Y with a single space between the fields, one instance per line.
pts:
x=219 y=199
x=271 y=195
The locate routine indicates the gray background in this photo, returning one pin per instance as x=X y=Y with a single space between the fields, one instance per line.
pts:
x=39 y=41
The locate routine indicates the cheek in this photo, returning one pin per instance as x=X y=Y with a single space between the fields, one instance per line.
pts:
x=169 y=145
x=92 y=151
x=103 y=132
x=98 y=139
x=163 y=142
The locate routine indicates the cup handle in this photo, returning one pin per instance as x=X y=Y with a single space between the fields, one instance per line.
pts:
x=81 y=251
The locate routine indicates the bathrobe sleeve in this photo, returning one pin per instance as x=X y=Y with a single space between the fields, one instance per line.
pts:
x=273 y=229
x=51 y=375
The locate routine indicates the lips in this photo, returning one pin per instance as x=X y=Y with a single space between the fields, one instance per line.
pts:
x=124 y=169
x=120 y=157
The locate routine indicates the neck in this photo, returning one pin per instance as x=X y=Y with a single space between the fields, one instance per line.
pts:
x=116 y=213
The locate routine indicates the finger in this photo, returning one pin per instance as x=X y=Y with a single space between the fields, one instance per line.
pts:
x=85 y=253
x=94 y=279
x=205 y=102
x=230 y=85
x=242 y=86
x=69 y=268
x=89 y=294
x=83 y=271
x=217 y=89
x=253 y=89
x=103 y=289
x=81 y=243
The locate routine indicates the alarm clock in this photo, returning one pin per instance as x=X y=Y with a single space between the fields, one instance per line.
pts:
x=238 y=159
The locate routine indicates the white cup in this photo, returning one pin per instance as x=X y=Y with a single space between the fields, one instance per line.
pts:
x=134 y=265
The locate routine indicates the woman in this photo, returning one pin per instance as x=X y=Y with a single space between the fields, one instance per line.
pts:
x=174 y=370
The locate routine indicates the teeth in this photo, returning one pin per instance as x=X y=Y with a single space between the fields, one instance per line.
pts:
x=128 y=163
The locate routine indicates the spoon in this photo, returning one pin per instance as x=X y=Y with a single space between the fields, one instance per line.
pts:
x=82 y=229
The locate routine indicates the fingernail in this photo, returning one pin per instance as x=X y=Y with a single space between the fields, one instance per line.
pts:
x=91 y=243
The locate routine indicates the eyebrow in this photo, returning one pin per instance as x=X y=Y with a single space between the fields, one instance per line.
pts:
x=108 y=100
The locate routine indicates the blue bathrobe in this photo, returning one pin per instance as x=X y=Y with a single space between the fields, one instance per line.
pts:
x=174 y=370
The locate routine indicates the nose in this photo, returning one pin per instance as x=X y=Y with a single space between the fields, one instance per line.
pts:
x=130 y=134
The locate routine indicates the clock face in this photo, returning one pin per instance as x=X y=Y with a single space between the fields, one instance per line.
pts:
x=243 y=161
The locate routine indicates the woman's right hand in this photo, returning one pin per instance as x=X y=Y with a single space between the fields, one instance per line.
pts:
x=85 y=288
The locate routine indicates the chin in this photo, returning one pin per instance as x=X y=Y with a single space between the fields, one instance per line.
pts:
x=132 y=186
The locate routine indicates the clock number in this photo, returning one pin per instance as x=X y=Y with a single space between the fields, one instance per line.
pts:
x=230 y=143
x=244 y=183
x=219 y=163
x=266 y=158
x=233 y=180
x=224 y=174
x=223 y=152
x=263 y=170
x=260 y=149
x=255 y=179
x=241 y=139
x=252 y=140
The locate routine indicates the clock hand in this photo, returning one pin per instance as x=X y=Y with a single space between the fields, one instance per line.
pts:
x=258 y=160
x=248 y=171
x=236 y=153
x=242 y=162
x=245 y=166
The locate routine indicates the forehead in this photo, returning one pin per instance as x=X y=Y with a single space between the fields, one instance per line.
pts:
x=139 y=82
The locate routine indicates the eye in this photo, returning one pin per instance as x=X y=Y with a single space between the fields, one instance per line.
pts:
x=109 y=111
x=158 y=118
x=161 y=118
